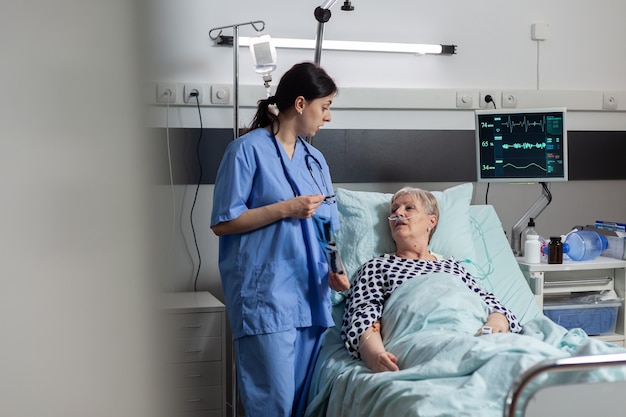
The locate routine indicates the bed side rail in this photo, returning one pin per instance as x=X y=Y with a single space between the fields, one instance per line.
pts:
x=574 y=363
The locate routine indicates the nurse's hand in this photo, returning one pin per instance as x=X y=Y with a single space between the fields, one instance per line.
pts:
x=304 y=206
x=338 y=282
x=252 y=219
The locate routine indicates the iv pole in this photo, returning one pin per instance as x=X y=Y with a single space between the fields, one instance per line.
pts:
x=259 y=26
x=322 y=15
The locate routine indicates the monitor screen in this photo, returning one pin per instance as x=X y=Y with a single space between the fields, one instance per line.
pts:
x=521 y=145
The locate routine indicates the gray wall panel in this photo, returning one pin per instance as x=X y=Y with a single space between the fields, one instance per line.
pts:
x=364 y=156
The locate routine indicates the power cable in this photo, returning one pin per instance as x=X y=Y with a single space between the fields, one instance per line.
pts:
x=195 y=198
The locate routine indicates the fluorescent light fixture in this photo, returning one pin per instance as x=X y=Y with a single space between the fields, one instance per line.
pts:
x=328 y=4
x=407 y=48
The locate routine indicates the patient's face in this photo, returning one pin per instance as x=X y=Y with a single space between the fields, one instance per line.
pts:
x=414 y=223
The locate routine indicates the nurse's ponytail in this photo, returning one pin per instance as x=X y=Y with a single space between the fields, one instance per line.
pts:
x=266 y=114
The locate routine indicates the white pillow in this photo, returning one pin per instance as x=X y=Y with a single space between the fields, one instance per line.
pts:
x=364 y=229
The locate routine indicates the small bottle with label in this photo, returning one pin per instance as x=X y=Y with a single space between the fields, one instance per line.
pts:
x=532 y=249
x=555 y=250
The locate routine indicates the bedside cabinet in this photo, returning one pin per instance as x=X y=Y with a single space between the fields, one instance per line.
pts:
x=196 y=325
x=575 y=277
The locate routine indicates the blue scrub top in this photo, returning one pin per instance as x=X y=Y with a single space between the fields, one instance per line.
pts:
x=274 y=278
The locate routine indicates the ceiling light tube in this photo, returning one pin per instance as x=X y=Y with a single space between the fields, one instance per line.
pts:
x=409 y=48
x=328 y=4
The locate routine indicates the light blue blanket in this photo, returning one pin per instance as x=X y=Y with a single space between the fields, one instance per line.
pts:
x=430 y=324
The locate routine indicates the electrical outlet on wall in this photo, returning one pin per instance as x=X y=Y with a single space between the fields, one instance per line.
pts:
x=509 y=99
x=220 y=94
x=188 y=93
x=465 y=99
x=166 y=93
x=487 y=99
x=609 y=101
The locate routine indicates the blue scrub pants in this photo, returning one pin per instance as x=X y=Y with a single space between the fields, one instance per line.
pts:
x=273 y=371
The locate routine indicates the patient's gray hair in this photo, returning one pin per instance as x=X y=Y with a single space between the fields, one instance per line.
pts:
x=426 y=198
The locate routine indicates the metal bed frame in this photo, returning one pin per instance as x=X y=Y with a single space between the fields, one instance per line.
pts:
x=514 y=401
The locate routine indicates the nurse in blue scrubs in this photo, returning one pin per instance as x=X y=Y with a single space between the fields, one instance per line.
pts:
x=271 y=186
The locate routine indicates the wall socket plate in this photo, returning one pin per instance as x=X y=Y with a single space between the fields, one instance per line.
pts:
x=464 y=99
x=509 y=99
x=220 y=94
x=481 y=99
x=166 y=93
x=190 y=88
x=609 y=101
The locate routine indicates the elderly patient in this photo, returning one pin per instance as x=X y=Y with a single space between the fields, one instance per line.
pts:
x=413 y=221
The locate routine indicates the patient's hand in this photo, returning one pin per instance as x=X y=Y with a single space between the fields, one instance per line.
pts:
x=338 y=282
x=373 y=353
x=382 y=362
x=498 y=323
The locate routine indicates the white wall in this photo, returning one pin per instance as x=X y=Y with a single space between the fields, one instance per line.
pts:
x=76 y=300
x=583 y=50
x=582 y=59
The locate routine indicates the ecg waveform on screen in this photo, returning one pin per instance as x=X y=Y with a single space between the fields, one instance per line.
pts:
x=524 y=145
x=525 y=123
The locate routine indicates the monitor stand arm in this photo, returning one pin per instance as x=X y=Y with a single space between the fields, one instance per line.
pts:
x=534 y=211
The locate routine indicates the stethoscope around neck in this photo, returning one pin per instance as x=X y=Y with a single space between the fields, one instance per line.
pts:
x=329 y=198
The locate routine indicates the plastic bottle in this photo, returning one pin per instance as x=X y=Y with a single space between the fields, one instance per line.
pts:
x=555 y=250
x=528 y=230
x=532 y=249
x=583 y=245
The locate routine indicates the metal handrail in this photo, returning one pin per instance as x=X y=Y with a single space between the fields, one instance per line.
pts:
x=574 y=363
x=581 y=282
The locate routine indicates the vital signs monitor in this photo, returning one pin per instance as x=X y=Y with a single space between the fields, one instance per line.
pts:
x=521 y=145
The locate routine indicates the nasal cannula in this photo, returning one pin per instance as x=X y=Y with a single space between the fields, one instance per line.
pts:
x=399 y=219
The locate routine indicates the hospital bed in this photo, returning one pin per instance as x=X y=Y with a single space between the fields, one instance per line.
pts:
x=444 y=373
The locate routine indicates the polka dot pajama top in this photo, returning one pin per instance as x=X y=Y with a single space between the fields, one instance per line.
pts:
x=377 y=280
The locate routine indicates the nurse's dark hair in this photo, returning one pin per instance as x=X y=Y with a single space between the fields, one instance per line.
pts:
x=305 y=79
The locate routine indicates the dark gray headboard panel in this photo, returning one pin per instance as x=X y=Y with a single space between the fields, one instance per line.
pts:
x=597 y=155
x=398 y=155
x=390 y=155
